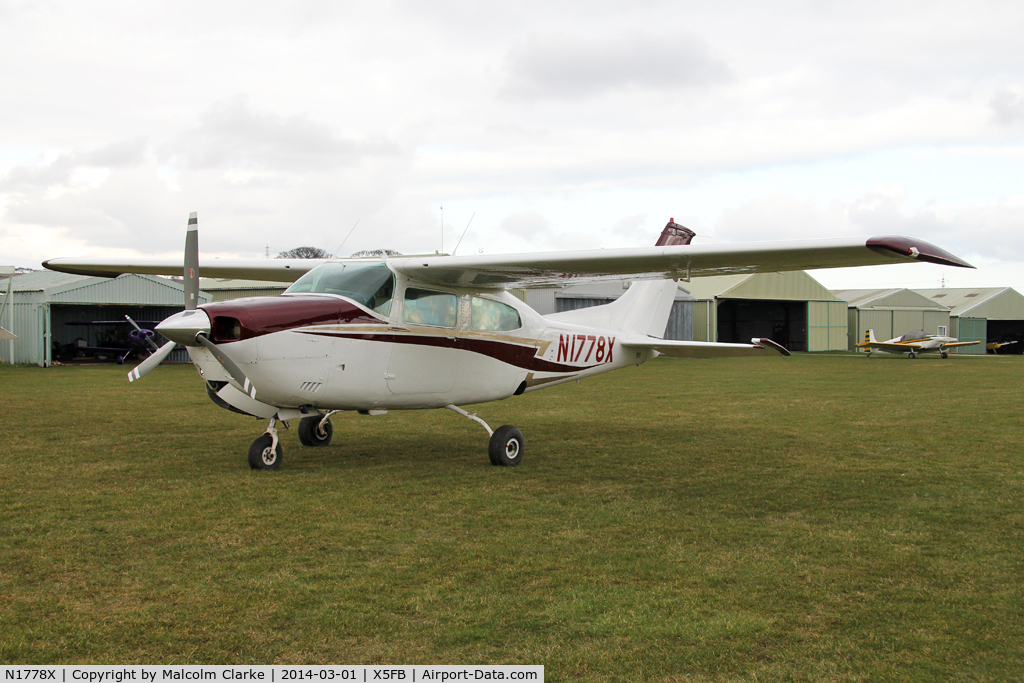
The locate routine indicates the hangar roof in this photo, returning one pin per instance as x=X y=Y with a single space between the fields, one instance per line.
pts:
x=888 y=299
x=42 y=280
x=794 y=285
x=994 y=303
x=44 y=286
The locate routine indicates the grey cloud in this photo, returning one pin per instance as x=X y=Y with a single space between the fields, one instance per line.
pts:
x=529 y=225
x=1008 y=108
x=119 y=154
x=564 y=66
x=230 y=134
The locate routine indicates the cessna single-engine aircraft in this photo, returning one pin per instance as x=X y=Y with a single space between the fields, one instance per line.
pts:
x=912 y=343
x=402 y=333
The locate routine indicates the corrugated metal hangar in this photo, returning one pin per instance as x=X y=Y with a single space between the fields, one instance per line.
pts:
x=791 y=308
x=990 y=314
x=60 y=315
x=891 y=313
x=225 y=288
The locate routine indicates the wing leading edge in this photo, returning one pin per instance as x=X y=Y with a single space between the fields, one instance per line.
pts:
x=274 y=270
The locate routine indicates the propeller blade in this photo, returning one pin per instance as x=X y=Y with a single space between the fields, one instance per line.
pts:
x=191 y=274
x=151 y=362
x=228 y=365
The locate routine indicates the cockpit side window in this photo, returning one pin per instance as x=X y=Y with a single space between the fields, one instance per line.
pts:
x=370 y=284
x=424 y=307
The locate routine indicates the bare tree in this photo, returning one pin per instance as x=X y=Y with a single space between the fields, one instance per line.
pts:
x=304 y=252
x=376 y=252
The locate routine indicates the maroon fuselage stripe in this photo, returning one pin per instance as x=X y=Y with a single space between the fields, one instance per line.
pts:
x=265 y=315
x=514 y=354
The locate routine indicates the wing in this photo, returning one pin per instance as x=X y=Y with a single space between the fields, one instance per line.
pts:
x=561 y=266
x=890 y=346
x=667 y=261
x=951 y=345
x=690 y=349
x=275 y=270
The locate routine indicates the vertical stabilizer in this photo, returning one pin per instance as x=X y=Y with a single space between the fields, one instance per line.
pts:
x=646 y=305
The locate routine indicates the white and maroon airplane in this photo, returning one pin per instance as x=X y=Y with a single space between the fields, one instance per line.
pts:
x=403 y=333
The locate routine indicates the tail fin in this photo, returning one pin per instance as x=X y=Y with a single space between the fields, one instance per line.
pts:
x=869 y=338
x=646 y=305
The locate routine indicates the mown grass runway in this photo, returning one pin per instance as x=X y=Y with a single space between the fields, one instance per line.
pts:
x=822 y=517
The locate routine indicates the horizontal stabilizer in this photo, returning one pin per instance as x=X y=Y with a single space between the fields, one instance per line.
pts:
x=697 y=349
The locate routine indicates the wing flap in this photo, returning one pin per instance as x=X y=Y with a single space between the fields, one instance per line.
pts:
x=667 y=261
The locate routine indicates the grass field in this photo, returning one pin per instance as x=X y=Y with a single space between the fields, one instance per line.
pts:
x=822 y=517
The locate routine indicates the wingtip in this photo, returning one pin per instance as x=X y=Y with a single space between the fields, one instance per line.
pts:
x=915 y=249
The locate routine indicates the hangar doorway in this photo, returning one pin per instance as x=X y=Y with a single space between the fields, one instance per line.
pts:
x=785 y=322
x=1007 y=331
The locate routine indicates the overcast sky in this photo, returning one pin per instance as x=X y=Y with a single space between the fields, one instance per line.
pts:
x=560 y=125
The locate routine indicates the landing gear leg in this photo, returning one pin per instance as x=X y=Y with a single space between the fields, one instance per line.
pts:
x=266 y=453
x=506 y=446
x=316 y=430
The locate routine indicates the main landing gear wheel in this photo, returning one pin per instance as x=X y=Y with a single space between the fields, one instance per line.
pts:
x=506 y=447
x=311 y=433
x=263 y=455
x=913 y=355
x=944 y=354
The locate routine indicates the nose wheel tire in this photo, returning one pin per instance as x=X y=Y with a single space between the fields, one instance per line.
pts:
x=312 y=434
x=262 y=454
x=506 y=447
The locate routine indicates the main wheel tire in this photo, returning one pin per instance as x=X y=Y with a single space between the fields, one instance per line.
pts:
x=310 y=434
x=944 y=354
x=262 y=456
x=913 y=355
x=507 y=447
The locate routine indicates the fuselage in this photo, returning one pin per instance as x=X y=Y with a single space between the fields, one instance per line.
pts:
x=370 y=339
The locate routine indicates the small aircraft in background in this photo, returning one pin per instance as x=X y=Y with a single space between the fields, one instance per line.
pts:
x=993 y=347
x=112 y=340
x=912 y=343
x=417 y=332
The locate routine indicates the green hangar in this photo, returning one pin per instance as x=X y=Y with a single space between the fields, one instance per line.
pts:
x=991 y=314
x=57 y=314
x=891 y=313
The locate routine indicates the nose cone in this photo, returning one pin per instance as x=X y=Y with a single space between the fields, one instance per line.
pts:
x=183 y=327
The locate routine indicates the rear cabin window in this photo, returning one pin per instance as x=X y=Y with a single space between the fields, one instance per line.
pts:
x=425 y=307
x=494 y=316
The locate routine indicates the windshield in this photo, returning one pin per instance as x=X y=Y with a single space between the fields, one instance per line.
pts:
x=370 y=284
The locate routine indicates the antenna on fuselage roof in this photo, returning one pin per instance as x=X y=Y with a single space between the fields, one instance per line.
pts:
x=463 y=234
x=335 y=254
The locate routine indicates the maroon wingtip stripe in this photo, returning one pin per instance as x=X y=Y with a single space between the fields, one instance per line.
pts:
x=906 y=246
